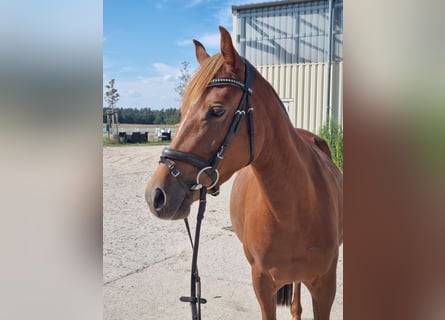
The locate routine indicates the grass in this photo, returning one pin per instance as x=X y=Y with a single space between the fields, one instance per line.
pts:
x=333 y=134
x=229 y=228
x=108 y=143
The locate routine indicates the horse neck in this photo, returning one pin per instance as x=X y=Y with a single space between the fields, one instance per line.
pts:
x=283 y=158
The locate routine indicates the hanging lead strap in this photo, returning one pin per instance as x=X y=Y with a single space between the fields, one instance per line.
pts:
x=195 y=299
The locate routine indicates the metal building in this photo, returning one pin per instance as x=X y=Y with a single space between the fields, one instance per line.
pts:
x=297 y=45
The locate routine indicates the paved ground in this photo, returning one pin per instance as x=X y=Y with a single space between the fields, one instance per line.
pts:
x=147 y=260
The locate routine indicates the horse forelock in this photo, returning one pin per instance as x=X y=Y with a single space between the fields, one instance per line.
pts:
x=199 y=81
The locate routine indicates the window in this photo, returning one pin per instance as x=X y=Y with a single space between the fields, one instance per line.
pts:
x=296 y=33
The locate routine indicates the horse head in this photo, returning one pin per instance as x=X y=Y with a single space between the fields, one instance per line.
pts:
x=212 y=141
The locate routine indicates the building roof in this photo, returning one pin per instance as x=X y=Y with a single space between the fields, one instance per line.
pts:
x=269 y=4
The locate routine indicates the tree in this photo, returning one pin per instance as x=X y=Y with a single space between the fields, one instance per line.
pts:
x=112 y=97
x=144 y=115
x=184 y=77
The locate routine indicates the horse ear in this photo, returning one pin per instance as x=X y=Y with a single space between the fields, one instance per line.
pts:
x=228 y=51
x=200 y=51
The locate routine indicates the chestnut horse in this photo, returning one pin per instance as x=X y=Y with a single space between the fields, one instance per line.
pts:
x=286 y=201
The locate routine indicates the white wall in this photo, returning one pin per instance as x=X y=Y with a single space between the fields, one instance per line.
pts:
x=303 y=87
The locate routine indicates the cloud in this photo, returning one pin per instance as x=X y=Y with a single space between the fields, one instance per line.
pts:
x=193 y=3
x=165 y=71
x=184 y=43
x=209 y=40
x=150 y=92
x=156 y=92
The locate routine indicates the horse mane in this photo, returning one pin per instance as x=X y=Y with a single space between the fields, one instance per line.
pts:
x=199 y=81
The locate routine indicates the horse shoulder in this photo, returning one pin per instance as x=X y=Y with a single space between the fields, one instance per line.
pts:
x=239 y=198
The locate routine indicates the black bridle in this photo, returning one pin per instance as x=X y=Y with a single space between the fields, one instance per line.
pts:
x=210 y=167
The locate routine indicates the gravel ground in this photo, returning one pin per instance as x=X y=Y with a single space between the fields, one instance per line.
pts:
x=146 y=261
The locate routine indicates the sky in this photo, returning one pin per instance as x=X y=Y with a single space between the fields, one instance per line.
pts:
x=144 y=43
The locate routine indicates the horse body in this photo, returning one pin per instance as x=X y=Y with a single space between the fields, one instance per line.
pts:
x=286 y=206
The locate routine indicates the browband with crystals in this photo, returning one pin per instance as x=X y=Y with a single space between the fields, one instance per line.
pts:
x=228 y=81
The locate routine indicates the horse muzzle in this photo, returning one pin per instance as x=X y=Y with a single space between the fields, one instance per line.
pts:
x=168 y=202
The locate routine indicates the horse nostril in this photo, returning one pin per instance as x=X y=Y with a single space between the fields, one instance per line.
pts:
x=159 y=199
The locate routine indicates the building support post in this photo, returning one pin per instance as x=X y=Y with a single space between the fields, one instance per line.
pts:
x=329 y=63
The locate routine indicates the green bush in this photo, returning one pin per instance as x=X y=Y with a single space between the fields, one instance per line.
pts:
x=333 y=134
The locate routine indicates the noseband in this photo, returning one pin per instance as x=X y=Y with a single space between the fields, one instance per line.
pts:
x=210 y=167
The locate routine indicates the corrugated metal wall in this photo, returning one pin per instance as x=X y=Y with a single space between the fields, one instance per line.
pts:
x=287 y=43
x=302 y=87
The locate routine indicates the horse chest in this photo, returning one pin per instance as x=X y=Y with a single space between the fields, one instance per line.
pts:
x=285 y=245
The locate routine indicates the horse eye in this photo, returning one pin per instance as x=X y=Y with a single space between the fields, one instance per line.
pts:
x=217 y=111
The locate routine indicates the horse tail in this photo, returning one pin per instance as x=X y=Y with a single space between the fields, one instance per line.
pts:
x=284 y=295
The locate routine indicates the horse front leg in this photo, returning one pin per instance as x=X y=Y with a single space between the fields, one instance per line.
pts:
x=295 y=308
x=323 y=293
x=265 y=292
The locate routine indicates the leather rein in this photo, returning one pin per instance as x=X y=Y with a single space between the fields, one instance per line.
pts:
x=211 y=169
